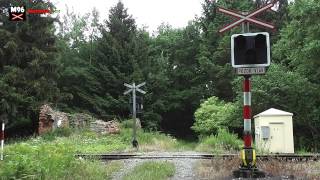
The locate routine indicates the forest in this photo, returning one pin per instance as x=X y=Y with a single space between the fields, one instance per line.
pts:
x=79 y=64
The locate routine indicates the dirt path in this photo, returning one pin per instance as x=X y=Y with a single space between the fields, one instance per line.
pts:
x=184 y=167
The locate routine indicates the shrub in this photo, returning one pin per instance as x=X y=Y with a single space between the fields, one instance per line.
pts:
x=212 y=115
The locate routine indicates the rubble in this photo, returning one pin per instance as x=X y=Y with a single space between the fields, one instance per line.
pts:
x=50 y=119
x=102 y=127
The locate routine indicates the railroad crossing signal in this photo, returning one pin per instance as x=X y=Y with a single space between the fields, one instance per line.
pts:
x=242 y=18
x=250 y=50
x=139 y=105
x=250 y=54
x=133 y=89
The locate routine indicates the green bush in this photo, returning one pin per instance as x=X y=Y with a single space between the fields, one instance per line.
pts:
x=223 y=142
x=212 y=115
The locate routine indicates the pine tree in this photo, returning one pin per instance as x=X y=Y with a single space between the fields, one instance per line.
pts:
x=28 y=66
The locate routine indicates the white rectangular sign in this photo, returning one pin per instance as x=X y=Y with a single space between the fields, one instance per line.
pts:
x=248 y=71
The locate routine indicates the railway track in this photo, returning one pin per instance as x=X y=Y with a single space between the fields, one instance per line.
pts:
x=283 y=157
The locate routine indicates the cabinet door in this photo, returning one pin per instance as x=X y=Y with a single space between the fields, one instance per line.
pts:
x=277 y=143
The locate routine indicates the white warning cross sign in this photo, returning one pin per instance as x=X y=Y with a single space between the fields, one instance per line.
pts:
x=241 y=18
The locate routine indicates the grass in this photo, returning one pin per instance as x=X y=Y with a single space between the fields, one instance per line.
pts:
x=296 y=170
x=223 y=142
x=156 y=141
x=216 y=168
x=38 y=159
x=51 y=156
x=222 y=169
x=151 y=171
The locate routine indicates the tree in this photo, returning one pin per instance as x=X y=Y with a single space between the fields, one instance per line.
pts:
x=28 y=67
x=298 y=49
x=119 y=57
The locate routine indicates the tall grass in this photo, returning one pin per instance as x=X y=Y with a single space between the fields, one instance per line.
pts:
x=223 y=142
x=38 y=159
x=51 y=156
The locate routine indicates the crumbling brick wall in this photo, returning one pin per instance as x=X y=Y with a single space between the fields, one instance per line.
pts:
x=45 y=123
x=50 y=119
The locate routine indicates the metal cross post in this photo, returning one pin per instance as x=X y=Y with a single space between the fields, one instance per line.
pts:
x=133 y=89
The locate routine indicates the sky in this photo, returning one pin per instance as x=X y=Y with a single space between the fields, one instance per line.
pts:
x=150 y=13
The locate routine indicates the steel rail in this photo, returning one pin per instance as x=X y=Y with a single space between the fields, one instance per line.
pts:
x=285 y=157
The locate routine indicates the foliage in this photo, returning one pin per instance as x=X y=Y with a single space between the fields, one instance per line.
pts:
x=59 y=132
x=39 y=159
x=53 y=158
x=223 y=142
x=212 y=115
x=28 y=68
x=152 y=171
x=82 y=68
x=298 y=50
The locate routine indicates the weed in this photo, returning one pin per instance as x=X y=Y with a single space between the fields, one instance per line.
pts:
x=59 y=132
x=223 y=142
x=151 y=171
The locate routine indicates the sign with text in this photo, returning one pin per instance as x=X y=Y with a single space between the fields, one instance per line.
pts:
x=250 y=71
x=17 y=13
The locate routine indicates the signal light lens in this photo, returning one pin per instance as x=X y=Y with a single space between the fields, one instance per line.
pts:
x=250 y=50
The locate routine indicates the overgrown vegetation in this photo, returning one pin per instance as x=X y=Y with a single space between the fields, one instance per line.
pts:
x=51 y=156
x=83 y=66
x=223 y=142
x=213 y=115
x=39 y=158
x=152 y=170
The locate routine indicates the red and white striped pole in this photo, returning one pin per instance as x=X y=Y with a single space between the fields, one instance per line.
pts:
x=247 y=137
x=2 y=140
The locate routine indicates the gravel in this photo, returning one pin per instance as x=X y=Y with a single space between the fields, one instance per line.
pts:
x=184 y=167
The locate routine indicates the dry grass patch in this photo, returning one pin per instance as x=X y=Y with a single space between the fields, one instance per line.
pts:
x=217 y=169
x=297 y=170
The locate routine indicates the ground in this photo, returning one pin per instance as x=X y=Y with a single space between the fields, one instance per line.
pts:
x=221 y=169
x=184 y=167
x=51 y=156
